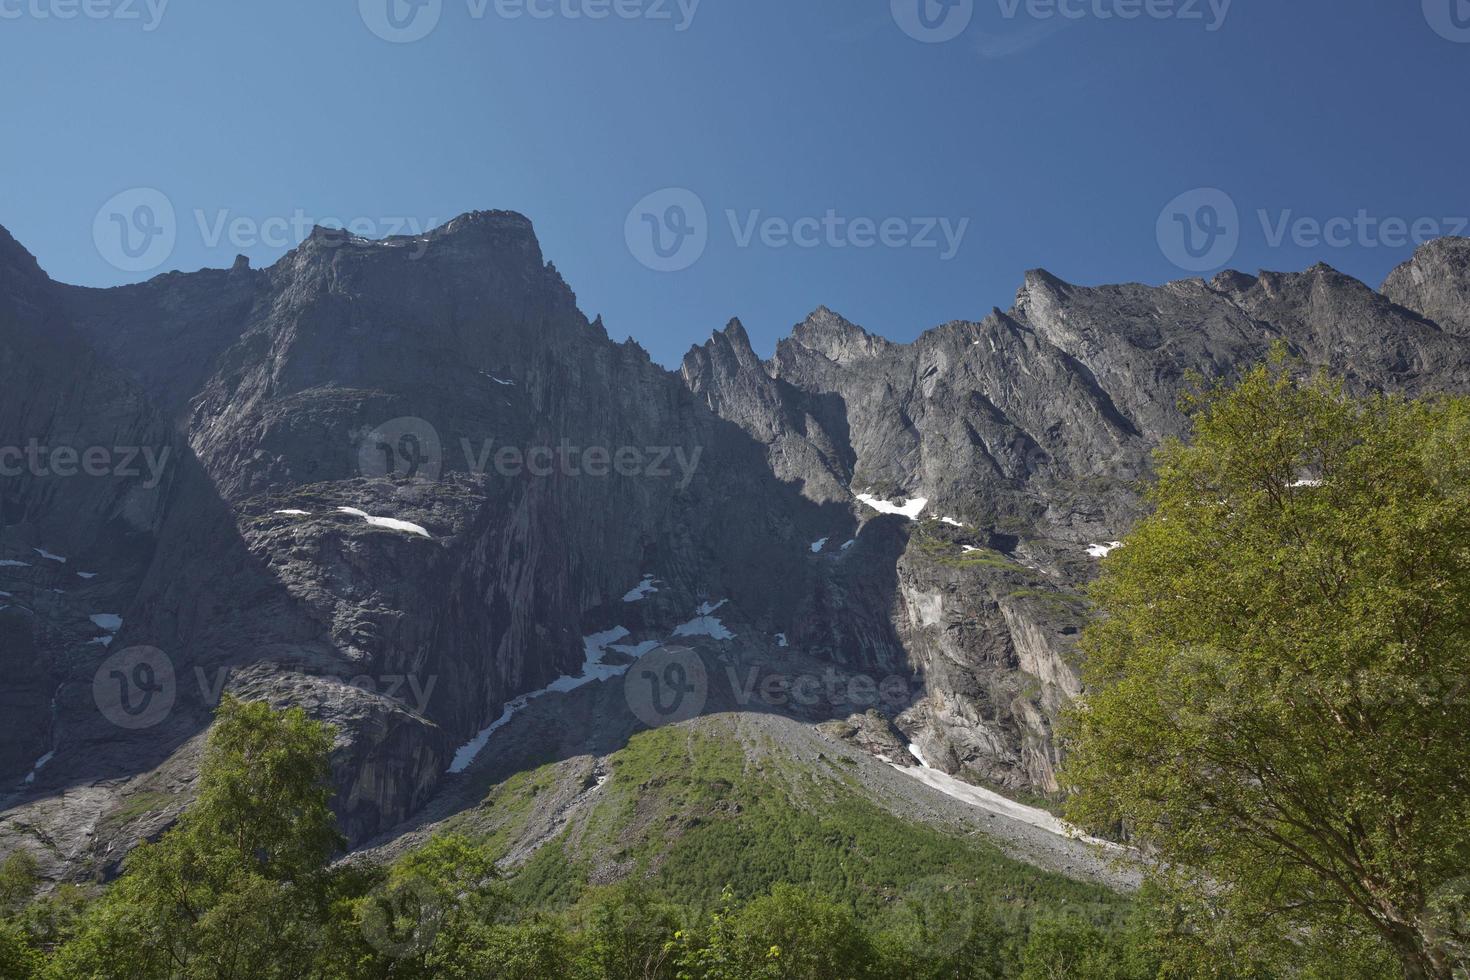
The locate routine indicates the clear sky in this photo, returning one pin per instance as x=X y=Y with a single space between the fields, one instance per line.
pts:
x=837 y=158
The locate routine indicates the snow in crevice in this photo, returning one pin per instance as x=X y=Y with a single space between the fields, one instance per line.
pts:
x=909 y=508
x=642 y=590
x=951 y=520
x=391 y=523
x=499 y=381
x=294 y=513
x=1103 y=550
x=781 y=640
x=593 y=669
x=705 y=623
x=12 y=563
x=87 y=575
x=636 y=649
x=818 y=545
x=994 y=802
x=849 y=544
x=39 y=765
x=48 y=555
x=107 y=621
x=965 y=549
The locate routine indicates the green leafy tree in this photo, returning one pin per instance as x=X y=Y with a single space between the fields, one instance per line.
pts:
x=786 y=935
x=1278 y=694
x=240 y=887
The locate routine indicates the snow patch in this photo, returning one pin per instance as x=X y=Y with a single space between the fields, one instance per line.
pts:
x=637 y=649
x=87 y=575
x=12 y=563
x=818 y=545
x=498 y=381
x=642 y=590
x=909 y=508
x=101 y=641
x=593 y=669
x=705 y=624
x=781 y=640
x=951 y=520
x=48 y=555
x=39 y=765
x=1103 y=550
x=849 y=544
x=107 y=621
x=295 y=513
x=994 y=802
x=391 y=523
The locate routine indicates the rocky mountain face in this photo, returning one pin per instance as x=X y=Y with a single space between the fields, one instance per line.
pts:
x=405 y=482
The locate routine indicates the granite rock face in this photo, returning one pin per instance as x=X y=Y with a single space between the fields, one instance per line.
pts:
x=398 y=482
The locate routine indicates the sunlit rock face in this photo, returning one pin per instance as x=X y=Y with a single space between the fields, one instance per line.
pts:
x=400 y=483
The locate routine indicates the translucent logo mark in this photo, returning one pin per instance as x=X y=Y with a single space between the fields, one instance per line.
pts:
x=401 y=21
x=932 y=21
x=666 y=686
x=1449 y=18
x=668 y=230
x=1199 y=230
x=135 y=688
x=406 y=448
x=135 y=231
x=403 y=918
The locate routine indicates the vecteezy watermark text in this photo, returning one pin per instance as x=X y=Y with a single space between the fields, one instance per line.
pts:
x=937 y=21
x=138 y=229
x=669 y=230
x=672 y=684
x=149 y=13
x=1201 y=230
x=1210 y=13
x=409 y=448
x=43 y=461
x=406 y=21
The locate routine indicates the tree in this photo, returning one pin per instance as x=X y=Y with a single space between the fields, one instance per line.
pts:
x=1278 y=693
x=240 y=886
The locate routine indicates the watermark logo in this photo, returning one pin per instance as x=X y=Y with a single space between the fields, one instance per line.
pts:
x=148 y=12
x=1449 y=18
x=403 y=918
x=403 y=449
x=1211 y=13
x=932 y=21
x=1199 y=230
x=135 y=688
x=666 y=686
x=934 y=917
x=409 y=449
x=668 y=230
x=401 y=21
x=136 y=230
x=127 y=462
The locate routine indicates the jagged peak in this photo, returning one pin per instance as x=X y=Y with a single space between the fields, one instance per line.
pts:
x=14 y=253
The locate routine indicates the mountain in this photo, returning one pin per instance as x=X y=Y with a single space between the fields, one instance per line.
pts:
x=408 y=485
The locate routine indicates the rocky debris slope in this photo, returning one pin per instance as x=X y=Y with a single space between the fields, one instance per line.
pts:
x=347 y=510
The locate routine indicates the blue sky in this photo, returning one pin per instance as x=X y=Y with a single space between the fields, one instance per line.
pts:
x=837 y=159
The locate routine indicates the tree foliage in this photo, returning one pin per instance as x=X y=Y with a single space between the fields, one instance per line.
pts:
x=1279 y=691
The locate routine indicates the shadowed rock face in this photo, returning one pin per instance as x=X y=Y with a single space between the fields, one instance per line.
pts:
x=388 y=377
